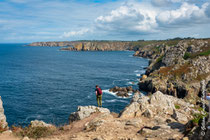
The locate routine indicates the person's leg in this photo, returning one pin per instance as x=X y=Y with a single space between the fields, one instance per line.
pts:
x=98 y=100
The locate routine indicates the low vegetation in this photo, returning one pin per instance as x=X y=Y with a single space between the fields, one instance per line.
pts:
x=33 y=132
x=177 y=106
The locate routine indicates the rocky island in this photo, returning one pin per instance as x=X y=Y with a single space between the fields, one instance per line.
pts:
x=171 y=110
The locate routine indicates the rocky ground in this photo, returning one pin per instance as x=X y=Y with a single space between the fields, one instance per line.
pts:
x=157 y=117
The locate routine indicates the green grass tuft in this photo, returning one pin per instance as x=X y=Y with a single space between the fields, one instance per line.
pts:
x=177 y=106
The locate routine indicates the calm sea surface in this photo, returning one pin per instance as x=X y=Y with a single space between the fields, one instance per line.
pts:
x=47 y=84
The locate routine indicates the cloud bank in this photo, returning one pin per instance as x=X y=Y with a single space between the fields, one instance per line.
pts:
x=54 y=20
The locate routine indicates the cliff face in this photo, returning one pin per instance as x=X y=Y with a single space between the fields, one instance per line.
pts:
x=88 y=45
x=177 y=70
x=3 y=122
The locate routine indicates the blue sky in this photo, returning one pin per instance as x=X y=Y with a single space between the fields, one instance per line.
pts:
x=25 y=21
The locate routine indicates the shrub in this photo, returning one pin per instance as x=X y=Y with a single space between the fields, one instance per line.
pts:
x=198 y=116
x=177 y=106
x=159 y=59
x=186 y=55
x=35 y=132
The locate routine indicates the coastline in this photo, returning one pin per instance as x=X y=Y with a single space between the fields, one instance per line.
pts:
x=159 y=85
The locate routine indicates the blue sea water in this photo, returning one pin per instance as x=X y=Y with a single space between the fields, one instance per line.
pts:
x=47 y=84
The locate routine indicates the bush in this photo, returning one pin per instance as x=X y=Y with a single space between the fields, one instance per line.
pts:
x=159 y=59
x=186 y=55
x=177 y=106
x=198 y=116
x=34 y=132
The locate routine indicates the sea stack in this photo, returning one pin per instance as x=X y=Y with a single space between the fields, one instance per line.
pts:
x=3 y=122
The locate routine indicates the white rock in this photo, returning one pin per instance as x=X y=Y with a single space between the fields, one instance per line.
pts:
x=86 y=111
x=37 y=123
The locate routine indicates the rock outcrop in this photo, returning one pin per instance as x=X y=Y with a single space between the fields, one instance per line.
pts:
x=86 y=111
x=3 y=122
x=178 y=69
x=123 y=91
x=158 y=105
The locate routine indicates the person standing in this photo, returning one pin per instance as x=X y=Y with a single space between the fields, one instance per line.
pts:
x=99 y=95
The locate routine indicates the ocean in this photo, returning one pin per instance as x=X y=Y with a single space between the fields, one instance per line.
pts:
x=46 y=84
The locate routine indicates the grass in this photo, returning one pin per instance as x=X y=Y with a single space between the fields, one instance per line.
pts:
x=198 y=116
x=177 y=106
x=201 y=76
x=165 y=70
x=159 y=59
x=186 y=55
x=33 y=132
x=181 y=70
x=205 y=51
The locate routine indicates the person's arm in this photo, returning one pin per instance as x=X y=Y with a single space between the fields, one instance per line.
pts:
x=96 y=93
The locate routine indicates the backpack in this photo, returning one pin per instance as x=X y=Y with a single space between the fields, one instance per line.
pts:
x=99 y=91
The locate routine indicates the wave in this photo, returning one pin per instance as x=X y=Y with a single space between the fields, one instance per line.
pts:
x=132 y=83
x=116 y=100
x=138 y=75
x=114 y=93
x=139 y=71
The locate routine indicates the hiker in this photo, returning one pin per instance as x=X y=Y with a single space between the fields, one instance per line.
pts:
x=99 y=95
x=208 y=98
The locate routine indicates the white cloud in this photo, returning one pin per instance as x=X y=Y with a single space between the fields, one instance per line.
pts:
x=185 y=14
x=134 y=18
x=75 y=33
x=130 y=17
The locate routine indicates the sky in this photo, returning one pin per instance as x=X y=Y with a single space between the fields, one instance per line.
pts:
x=25 y=21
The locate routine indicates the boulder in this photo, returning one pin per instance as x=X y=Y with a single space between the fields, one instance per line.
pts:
x=143 y=77
x=130 y=111
x=180 y=117
x=3 y=122
x=162 y=102
x=86 y=111
x=37 y=123
x=122 y=94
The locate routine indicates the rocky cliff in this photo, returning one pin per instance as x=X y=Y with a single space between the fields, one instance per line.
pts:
x=177 y=69
x=3 y=122
x=88 y=45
